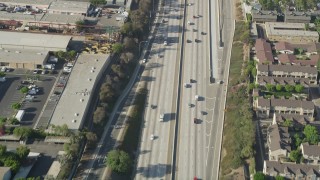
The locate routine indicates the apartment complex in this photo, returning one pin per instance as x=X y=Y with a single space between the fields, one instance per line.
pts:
x=290 y=170
x=265 y=108
x=263 y=51
x=293 y=71
x=291 y=32
x=310 y=153
x=279 y=142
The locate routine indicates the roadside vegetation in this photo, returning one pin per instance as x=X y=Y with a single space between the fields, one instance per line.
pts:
x=125 y=58
x=13 y=159
x=238 y=119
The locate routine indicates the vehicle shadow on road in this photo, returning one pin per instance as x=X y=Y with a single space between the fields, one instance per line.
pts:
x=147 y=78
x=169 y=117
x=154 y=171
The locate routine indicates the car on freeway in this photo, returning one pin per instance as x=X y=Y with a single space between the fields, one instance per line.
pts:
x=189 y=22
x=161 y=117
x=189 y=105
x=197 y=40
x=152 y=137
x=189 y=41
x=144 y=61
x=203 y=33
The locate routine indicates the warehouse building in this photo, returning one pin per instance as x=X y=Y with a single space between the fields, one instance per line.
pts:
x=77 y=95
x=42 y=42
x=25 y=58
x=28 y=50
x=291 y=32
x=69 y=7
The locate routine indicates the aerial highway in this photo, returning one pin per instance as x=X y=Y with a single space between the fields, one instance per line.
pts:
x=155 y=152
x=201 y=124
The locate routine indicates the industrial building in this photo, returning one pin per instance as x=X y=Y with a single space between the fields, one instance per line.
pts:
x=28 y=50
x=69 y=8
x=42 y=42
x=75 y=100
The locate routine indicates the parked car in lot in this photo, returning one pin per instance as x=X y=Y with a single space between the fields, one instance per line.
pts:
x=36 y=71
x=3 y=69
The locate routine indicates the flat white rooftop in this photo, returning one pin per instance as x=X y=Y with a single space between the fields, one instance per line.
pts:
x=69 y=6
x=61 y=18
x=73 y=103
x=19 y=16
x=27 y=2
x=33 y=41
x=288 y=29
x=23 y=56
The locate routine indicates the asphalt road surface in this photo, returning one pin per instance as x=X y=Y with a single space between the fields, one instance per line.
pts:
x=155 y=156
x=200 y=126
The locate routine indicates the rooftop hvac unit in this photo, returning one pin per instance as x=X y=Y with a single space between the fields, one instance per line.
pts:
x=89 y=79
x=18 y=52
x=76 y=114
x=97 y=60
x=92 y=71
x=81 y=100
x=74 y=121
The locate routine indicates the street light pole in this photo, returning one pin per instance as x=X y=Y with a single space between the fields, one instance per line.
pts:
x=140 y=45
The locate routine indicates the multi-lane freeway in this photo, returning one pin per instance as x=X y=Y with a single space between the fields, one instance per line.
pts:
x=174 y=89
x=185 y=53
x=155 y=156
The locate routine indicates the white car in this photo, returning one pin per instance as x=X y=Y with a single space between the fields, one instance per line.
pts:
x=152 y=137
x=165 y=43
x=189 y=22
x=144 y=61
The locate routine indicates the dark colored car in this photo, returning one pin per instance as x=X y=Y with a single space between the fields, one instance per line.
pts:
x=189 y=41
x=197 y=40
x=195 y=120
x=203 y=33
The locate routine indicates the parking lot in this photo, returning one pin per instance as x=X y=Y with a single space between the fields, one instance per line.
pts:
x=10 y=94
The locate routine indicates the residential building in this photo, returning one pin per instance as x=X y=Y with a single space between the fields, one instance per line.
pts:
x=289 y=48
x=263 y=51
x=310 y=153
x=278 y=142
x=265 y=108
x=288 y=71
x=284 y=47
x=292 y=59
x=291 y=32
x=263 y=80
x=261 y=16
x=297 y=17
x=290 y=170
x=5 y=173
x=298 y=121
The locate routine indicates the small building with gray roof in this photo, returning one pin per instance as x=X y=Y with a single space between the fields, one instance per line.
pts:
x=278 y=142
x=266 y=107
x=297 y=17
x=310 y=153
x=76 y=98
x=261 y=16
x=291 y=170
x=291 y=32
x=294 y=71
